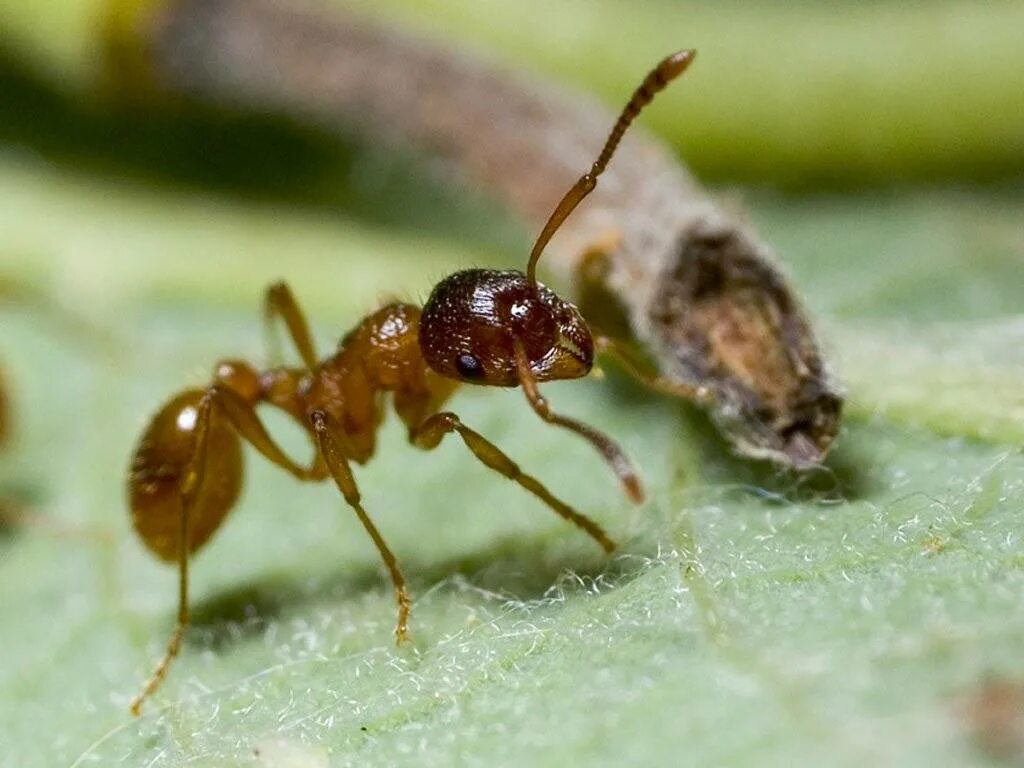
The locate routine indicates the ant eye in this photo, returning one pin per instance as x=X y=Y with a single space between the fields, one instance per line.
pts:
x=468 y=366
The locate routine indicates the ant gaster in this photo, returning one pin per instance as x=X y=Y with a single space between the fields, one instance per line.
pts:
x=498 y=328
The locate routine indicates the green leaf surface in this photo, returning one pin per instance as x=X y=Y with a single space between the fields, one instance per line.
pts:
x=749 y=618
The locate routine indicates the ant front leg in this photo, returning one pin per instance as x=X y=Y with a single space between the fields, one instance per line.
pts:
x=280 y=302
x=612 y=453
x=605 y=312
x=597 y=300
x=629 y=363
x=429 y=434
x=328 y=438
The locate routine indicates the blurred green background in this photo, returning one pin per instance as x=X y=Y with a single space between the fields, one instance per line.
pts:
x=752 y=618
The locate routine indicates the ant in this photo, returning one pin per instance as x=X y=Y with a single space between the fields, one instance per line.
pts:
x=487 y=327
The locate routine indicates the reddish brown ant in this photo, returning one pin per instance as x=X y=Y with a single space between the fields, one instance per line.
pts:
x=497 y=328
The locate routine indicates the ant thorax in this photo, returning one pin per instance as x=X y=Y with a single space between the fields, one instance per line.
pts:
x=478 y=323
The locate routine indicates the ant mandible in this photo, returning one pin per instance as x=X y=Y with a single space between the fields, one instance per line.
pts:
x=496 y=328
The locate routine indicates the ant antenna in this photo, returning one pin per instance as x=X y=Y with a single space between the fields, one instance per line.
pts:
x=667 y=70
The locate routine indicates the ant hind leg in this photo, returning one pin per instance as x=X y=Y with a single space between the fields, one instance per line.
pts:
x=247 y=424
x=429 y=434
x=188 y=491
x=217 y=409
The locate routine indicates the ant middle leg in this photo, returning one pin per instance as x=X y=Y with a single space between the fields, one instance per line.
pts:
x=327 y=435
x=279 y=302
x=429 y=434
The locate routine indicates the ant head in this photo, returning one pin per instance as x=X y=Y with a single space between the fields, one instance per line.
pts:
x=474 y=320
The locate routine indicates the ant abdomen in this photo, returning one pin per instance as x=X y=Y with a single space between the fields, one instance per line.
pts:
x=158 y=469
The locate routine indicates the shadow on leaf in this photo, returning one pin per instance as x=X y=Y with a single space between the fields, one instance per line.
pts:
x=515 y=567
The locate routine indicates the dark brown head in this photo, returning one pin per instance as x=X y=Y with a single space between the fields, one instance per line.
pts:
x=474 y=320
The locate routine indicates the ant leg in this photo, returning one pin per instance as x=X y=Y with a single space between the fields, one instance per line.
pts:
x=597 y=301
x=429 y=434
x=217 y=402
x=628 y=362
x=608 y=448
x=280 y=302
x=188 y=492
x=247 y=423
x=340 y=470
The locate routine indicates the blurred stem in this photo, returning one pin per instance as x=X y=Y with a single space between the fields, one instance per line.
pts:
x=835 y=94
